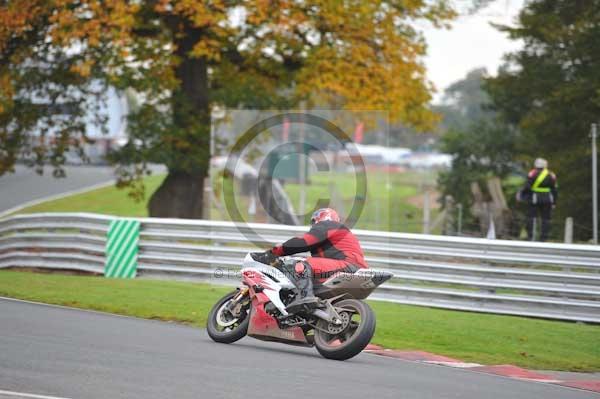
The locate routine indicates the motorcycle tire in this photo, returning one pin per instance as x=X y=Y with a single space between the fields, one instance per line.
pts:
x=342 y=350
x=226 y=336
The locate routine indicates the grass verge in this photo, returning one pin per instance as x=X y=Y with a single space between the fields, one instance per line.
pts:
x=387 y=206
x=473 y=337
x=106 y=200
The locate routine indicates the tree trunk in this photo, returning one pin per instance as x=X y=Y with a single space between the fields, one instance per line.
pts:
x=181 y=194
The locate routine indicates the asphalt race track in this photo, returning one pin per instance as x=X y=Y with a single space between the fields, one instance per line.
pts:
x=25 y=185
x=68 y=353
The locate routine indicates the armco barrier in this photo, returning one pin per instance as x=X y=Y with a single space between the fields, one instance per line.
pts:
x=557 y=281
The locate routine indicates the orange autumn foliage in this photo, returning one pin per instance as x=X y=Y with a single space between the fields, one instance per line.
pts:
x=185 y=56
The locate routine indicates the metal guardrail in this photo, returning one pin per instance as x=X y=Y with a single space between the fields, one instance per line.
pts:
x=558 y=281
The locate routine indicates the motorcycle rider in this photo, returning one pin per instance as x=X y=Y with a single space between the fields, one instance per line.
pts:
x=333 y=248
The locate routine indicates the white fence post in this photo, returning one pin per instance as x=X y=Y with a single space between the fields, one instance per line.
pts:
x=569 y=230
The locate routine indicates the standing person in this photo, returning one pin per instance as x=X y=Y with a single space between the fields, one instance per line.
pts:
x=540 y=191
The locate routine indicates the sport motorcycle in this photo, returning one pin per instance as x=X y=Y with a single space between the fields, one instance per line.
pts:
x=340 y=327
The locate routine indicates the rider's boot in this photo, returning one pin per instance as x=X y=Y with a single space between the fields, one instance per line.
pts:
x=305 y=299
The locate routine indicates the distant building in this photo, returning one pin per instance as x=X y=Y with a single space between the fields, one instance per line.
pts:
x=428 y=160
x=398 y=156
x=380 y=155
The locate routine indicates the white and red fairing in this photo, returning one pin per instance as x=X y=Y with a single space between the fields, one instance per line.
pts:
x=262 y=325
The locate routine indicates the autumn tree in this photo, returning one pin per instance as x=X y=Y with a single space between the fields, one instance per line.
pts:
x=549 y=90
x=482 y=145
x=464 y=102
x=182 y=58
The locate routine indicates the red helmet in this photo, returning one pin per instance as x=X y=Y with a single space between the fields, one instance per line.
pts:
x=323 y=214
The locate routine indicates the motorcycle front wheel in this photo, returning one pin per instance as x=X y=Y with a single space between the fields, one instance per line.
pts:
x=341 y=342
x=225 y=327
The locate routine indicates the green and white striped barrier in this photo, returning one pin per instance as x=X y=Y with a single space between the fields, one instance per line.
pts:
x=122 y=248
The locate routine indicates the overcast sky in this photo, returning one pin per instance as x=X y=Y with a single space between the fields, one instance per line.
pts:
x=471 y=43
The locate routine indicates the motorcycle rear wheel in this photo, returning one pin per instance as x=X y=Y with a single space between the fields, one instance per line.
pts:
x=225 y=328
x=355 y=335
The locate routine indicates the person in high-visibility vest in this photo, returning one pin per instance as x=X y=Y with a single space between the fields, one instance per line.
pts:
x=540 y=191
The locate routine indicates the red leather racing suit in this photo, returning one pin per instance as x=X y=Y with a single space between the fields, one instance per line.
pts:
x=333 y=248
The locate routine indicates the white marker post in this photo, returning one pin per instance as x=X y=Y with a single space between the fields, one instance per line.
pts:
x=595 y=182
x=426 y=213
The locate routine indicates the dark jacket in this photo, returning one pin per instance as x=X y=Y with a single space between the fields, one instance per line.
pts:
x=536 y=191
